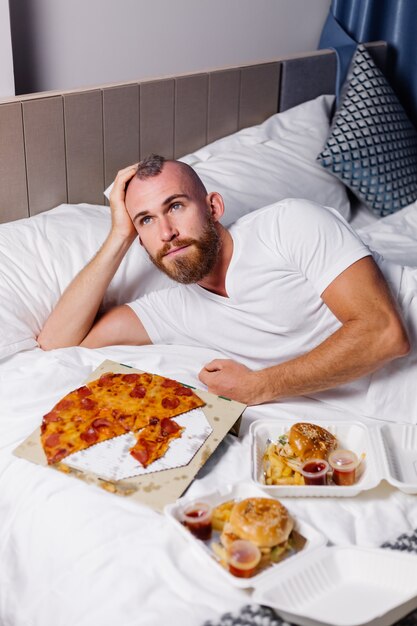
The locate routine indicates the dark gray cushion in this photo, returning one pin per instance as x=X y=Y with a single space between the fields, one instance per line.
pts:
x=372 y=146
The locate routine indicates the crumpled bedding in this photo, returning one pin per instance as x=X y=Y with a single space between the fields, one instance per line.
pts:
x=72 y=554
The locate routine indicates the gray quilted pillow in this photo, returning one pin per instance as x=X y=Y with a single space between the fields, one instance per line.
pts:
x=372 y=146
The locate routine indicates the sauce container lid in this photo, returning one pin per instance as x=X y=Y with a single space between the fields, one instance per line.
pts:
x=243 y=554
x=196 y=512
x=321 y=467
x=343 y=460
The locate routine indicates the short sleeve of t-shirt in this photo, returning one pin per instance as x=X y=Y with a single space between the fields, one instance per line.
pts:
x=161 y=313
x=316 y=240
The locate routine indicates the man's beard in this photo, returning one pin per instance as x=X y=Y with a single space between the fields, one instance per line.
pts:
x=197 y=262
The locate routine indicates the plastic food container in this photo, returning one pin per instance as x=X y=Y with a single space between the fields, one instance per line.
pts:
x=243 y=558
x=197 y=518
x=315 y=472
x=390 y=453
x=344 y=464
x=320 y=585
x=343 y=587
x=206 y=554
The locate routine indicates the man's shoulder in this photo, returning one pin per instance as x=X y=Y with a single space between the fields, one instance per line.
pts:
x=290 y=208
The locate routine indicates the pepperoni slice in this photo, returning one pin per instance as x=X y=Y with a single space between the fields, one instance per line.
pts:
x=52 y=440
x=183 y=391
x=170 y=403
x=106 y=380
x=131 y=378
x=141 y=454
x=121 y=419
x=59 y=454
x=100 y=422
x=84 y=391
x=138 y=392
x=168 y=427
x=168 y=382
x=51 y=417
x=88 y=404
x=90 y=435
x=64 y=405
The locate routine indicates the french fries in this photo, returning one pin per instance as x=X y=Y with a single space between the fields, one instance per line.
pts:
x=221 y=515
x=280 y=469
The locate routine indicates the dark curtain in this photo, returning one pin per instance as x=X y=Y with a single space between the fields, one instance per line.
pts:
x=394 y=21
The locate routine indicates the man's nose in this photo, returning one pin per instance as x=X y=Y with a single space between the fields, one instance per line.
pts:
x=168 y=230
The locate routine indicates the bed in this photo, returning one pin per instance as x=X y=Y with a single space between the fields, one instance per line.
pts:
x=72 y=553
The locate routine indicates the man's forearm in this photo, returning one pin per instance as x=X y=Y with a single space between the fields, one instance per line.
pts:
x=77 y=308
x=348 y=354
x=351 y=352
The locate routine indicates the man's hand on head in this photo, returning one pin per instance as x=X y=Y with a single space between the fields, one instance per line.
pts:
x=122 y=225
x=232 y=380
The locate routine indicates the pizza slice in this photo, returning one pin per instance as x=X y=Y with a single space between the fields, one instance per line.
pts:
x=63 y=437
x=154 y=439
x=144 y=395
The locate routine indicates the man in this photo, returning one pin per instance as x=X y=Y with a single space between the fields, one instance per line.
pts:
x=289 y=293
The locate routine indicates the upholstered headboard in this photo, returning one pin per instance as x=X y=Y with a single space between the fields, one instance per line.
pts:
x=59 y=147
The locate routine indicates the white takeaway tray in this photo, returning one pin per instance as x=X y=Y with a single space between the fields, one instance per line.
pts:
x=336 y=586
x=206 y=554
x=320 y=585
x=390 y=453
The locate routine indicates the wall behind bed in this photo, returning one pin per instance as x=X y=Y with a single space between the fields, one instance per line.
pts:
x=61 y=44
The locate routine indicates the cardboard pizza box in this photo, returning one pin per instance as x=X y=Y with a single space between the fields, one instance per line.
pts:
x=155 y=488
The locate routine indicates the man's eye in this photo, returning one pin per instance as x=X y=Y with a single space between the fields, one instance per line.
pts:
x=145 y=220
x=176 y=206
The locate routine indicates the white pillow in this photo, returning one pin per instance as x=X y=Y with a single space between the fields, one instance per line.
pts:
x=40 y=255
x=274 y=160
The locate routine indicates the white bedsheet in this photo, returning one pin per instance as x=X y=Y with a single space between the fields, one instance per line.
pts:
x=72 y=554
x=394 y=236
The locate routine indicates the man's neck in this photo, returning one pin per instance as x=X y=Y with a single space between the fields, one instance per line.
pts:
x=216 y=280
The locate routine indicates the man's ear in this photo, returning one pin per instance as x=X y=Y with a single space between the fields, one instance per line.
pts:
x=216 y=205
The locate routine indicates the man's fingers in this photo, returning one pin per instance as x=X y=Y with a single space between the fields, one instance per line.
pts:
x=206 y=374
x=126 y=174
x=127 y=170
x=214 y=366
x=123 y=176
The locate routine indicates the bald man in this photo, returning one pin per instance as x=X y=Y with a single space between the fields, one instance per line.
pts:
x=289 y=290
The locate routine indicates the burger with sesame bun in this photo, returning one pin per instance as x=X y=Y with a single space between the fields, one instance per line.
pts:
x=263 y=521
x=309 y=441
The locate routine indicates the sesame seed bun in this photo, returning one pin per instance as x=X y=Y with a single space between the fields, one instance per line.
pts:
x=310 y=441
x=264 y=521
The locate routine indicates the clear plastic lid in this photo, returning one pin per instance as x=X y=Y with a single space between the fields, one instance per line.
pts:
x=343 y=460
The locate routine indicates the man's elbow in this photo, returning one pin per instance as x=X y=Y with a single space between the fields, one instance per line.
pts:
x=394 y=340
x=45 y=343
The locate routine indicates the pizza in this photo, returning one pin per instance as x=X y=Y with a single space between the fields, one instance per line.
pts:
x=111 y=406
x=153 y=440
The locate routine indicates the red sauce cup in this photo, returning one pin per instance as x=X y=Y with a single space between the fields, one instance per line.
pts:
x=315 y=471
x=243 y=558
x=344 y=464
x=197 y=518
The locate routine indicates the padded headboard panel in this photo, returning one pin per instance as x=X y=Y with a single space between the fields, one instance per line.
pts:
x=67 y=147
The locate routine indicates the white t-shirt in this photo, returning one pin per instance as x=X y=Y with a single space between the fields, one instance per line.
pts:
x=284 y=257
